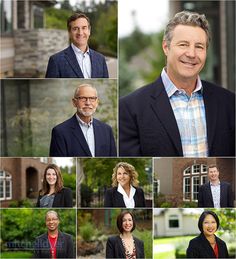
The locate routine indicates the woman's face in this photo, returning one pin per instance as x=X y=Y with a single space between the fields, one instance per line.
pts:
x=122 y=177
x=127 y=223
x=51 y=177
x=209 y=225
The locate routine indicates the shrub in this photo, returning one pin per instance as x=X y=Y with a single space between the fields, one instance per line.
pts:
x=87 y=231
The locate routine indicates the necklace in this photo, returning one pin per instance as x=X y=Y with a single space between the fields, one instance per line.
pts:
x=52 y=247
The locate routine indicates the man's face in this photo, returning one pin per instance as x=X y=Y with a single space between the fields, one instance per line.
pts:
x=52 y=221
x=186 y=54
x=87 y=106
x=213 y=174
x=79 y=33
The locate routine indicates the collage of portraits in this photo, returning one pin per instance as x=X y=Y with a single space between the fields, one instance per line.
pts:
x=117 y=129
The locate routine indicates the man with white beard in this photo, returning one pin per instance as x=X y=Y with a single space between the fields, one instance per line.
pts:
x=82 y=135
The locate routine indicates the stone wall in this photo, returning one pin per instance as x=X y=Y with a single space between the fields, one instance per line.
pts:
x=33 y=49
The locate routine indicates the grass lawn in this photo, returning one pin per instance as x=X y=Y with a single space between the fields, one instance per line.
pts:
x=20 y=254
x=164 y=255
x=172 y=240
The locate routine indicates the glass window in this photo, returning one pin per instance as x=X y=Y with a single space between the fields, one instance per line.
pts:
x=5 y=185
x=38 y=17
x=173 y=221
x=187 y=189
x=195 y=186
x=196 y=169
x=6 y=16
x=187 y=171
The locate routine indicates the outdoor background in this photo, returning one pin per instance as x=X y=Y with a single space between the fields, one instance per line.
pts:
x=96 y=225
x=94 y=177
x=174 y=228
x=19 y=230
x=141 y=28
x=31 y=108
x=32 y=31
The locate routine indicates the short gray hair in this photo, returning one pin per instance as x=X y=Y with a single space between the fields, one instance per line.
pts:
x=84 y=85
x=187 y=18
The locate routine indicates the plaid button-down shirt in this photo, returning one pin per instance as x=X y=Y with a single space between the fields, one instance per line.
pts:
x=190 y=115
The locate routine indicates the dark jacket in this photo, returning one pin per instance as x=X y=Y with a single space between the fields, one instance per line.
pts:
x=68 y=140
x=64 y=64
x=199 y=247
x=115 y=248
x=61 y=199
x=64 y=246
x=205 y=199
x=147 y=125
x=115 y=199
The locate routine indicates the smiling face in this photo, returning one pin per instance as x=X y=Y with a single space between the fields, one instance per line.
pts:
x=209 y=225
x=186 y=54
x=79 y=33
x=52 y=221
x=213 y=174
x=123 y=177
x=127 y=223
x=51 y=177
x=85 y=108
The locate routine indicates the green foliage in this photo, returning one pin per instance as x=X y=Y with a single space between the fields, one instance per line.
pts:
x=189 y=204
x=98 y=172
x=26 y=203
x=146 y=237
x=87 y=231
x=26 y=225
x=70 y=179
x=166 y=205
x=56 y=18
x=16 y=255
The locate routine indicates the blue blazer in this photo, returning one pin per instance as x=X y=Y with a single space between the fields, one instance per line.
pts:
x=64 y=246
x=64 y=64
x=147 y=125
x=199 y=247
x=205 y=199
x=68 y=140
x=115 y=199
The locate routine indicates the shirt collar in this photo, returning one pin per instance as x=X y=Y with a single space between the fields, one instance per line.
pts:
x=82 y=122
x=211 y=184
x=122 y=191
x=171 y=89
x=78 y=50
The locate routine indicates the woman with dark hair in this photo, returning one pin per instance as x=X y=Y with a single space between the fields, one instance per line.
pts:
x=125 y=192
x=207 y=244
x=53 y=193
x=125 y=245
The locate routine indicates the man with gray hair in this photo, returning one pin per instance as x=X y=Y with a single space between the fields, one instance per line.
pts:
x=179 y=114
x=82 y=135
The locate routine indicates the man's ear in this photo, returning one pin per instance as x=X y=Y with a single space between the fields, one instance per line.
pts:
x=74 y=102
x=165 y=47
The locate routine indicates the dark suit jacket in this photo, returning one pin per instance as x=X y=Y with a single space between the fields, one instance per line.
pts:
x=147 y=125
x=199 y=247
x=205 y=199
x=64 y=64
x=64 y=246
x=61 y=199
x=68 y=140
x=115 y=248
x=115 y=199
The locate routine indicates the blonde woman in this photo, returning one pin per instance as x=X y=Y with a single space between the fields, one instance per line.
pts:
x=125 y=192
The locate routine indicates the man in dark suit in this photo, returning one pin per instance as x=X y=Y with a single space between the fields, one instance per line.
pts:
x=78 y=60
x=82 y=135
x=54 y=243
x=179 y=114
x=215 y=193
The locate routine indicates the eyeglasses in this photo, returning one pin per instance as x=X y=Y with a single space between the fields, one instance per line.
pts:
x=85 y=99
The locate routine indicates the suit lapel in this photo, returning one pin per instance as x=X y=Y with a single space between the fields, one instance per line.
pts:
x=211 y=108
x=71 y=58
x=207 y=246
x=98 y=135
x=165 y=114
x=122 y=249
x=209 y=194
x=78 y=134
x=119 y=199
x=222 y=192
x=93 y=64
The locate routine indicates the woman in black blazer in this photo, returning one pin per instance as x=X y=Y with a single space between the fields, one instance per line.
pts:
x=125 y=191
x=53 y=193
x=125 y=245
x=207 y=244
